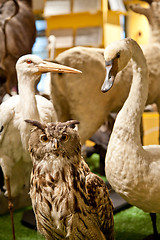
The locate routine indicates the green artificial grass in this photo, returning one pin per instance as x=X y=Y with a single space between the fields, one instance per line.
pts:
x=93 y=163
x=133 y=224
x=21 y=232
x=130 y=224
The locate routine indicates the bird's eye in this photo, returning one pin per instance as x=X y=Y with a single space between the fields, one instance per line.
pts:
x=44 y=138
x=118 y=55
x=64 y=137
x=29 y=61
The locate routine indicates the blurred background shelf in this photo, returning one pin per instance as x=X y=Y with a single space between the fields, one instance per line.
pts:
x=94 y=23
x=85 y=23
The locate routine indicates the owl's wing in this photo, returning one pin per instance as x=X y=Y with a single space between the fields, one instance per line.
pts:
x=85 y=227
x=98 y=197
x=7 y=112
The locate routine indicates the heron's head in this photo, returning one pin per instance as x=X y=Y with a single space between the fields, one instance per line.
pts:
x=33 y=65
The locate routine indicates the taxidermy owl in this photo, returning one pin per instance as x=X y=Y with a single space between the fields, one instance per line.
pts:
x=69 y=201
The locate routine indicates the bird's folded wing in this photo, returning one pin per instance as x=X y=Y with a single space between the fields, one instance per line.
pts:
x=85 y=228
x=99 y=199
x=46 y=110
x=7 y=111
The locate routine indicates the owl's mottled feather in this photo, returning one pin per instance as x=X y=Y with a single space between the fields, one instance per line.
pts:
x=69 y=201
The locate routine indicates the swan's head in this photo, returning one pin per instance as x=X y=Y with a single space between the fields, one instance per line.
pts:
x=117 y=56
x=33 y=65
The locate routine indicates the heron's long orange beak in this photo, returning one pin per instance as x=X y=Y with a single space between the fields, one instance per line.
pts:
x=45 y=67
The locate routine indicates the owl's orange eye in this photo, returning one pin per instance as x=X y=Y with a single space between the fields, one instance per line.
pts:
x=64 y=137
x=44 y=138
x=29 y=61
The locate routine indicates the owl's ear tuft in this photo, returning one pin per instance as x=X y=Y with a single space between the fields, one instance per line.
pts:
x=72 y=123
x=35 y=123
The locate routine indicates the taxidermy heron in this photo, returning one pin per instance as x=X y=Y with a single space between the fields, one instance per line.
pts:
x=14 y=132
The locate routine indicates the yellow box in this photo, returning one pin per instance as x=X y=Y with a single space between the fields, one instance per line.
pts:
x=151 y=128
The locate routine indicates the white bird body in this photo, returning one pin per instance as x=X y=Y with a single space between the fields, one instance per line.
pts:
x=14 y=139
x=14 y=132
x=136 y=181
x=132 y=170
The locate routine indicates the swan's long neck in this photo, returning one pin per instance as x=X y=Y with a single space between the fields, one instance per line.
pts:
x=27 y=97
x=129 y=117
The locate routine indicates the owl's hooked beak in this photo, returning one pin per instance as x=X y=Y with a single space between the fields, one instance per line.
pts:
x=55 y=144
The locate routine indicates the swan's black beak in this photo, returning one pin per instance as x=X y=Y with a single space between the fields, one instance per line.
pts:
x=111 y=72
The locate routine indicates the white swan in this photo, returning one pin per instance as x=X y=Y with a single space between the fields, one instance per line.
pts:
x=132 y=170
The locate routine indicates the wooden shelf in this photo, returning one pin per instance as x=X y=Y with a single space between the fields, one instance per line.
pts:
x=97 y=25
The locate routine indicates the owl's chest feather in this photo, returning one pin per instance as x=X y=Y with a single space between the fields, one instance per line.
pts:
x=58 y=193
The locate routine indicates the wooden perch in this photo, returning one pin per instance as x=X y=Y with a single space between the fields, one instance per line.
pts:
x=10 y=205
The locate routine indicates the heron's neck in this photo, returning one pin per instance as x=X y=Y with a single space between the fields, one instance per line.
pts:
x=129 y=117
x=27 y=98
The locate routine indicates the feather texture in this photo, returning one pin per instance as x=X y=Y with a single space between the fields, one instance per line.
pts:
x=69 y=201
